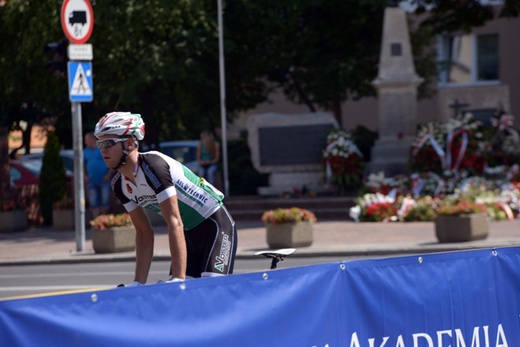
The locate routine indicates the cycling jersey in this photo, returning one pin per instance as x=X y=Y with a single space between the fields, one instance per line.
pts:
x=159 y=177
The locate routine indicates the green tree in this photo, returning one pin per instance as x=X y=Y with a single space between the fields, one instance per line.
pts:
x=161 y=58
x=451 y=16
x=320 y=52
x=323 y=52
x=27 y=88
x=53 y=181
x=145 y=52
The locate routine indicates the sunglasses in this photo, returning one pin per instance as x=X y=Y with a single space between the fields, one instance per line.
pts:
x=107 y=143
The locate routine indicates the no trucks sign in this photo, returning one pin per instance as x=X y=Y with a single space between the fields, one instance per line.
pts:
x=77 y=20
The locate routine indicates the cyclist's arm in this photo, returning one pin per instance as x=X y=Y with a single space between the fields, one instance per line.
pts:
x=144 y=243
x=177 y=242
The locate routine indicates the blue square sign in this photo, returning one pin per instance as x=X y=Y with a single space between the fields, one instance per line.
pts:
x=80 y=81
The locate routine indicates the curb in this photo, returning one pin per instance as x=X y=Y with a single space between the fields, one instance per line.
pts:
x=372 y=249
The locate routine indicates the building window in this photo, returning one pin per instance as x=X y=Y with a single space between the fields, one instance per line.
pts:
x=468 y=59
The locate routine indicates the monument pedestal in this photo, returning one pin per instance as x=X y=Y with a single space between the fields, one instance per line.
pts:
x=283 y=182
x=391 y=156
x=289 y=148
x=396 y=86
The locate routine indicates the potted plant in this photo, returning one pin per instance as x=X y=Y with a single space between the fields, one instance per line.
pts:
x=63 y=217
x=289 y=227
x=113 y=233
x=460 y=220
x=13 y=217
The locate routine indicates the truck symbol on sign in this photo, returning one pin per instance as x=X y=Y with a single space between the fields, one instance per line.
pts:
x=78 y=17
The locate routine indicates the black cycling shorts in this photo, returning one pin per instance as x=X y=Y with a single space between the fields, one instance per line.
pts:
x=212 y=245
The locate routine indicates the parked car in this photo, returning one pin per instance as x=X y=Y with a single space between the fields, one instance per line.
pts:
x=24 y=172
x=184 y=152
x=66 y=154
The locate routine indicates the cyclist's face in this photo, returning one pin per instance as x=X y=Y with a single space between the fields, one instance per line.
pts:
x=111 y=147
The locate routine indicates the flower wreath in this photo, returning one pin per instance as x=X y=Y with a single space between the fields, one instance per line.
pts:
x=344 y=163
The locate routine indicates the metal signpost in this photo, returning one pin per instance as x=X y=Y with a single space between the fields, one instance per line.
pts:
x=77 y=21
x=223 y=121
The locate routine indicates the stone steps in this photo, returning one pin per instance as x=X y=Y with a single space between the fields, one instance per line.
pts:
x=251 y=208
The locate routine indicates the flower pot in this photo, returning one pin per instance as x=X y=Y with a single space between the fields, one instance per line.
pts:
x=115 y=239
x=15 y=220
x=64 y=219
x=461 y=228
x=291 y=235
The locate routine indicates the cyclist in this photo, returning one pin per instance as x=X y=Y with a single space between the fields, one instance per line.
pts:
x=202 y=234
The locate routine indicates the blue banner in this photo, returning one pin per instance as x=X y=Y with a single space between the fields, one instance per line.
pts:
x=456 y=299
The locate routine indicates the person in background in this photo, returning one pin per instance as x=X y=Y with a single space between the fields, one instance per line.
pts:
x=202 y=234
x=208 y=156
x=97 y=177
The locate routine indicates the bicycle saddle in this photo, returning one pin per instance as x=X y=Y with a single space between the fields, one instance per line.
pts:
x=278 y=253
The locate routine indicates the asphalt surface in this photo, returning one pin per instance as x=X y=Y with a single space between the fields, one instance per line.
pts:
x=338 y=238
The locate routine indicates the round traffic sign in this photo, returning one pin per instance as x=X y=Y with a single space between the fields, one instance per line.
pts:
x=77 y=20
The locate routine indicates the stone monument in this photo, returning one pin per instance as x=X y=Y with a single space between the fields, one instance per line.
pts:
x=289 y=148
x=396 y=86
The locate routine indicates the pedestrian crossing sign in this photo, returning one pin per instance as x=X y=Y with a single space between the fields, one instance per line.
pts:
x=80 y=81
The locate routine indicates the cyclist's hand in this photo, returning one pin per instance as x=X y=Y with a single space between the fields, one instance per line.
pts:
x=133 y=284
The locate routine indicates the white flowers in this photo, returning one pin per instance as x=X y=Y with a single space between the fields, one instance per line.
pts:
x=339 y=144
x=467 y=122
x=367 y=200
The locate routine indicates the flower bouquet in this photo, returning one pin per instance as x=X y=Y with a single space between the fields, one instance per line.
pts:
x=66 y=203
x=288 y=215
x=427 y=153
x=378 y=183
x=450 y=207
x=9 y=205
x=105 y=221
x=421 y=209
x=344 y=163
x=503 y=147
x=453 y=146
x=374 y=208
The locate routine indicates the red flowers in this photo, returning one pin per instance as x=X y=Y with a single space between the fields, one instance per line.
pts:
x=381 y=211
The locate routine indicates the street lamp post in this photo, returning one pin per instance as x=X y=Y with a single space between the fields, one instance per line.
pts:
x=223 y=122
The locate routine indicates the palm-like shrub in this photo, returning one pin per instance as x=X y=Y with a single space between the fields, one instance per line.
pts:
x=53 y=181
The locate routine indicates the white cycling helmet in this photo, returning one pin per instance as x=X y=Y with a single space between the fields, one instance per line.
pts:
x=122 y=124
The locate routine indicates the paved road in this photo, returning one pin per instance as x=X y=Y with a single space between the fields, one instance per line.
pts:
x=31 y=279
x=42 y=260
